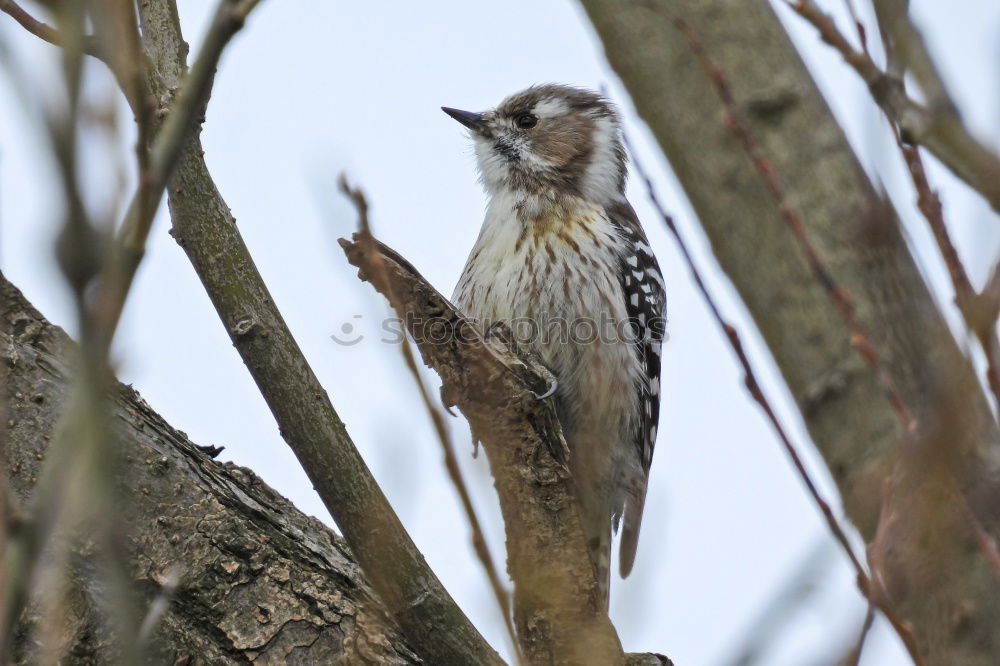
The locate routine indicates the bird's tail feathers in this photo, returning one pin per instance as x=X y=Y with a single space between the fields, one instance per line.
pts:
x=632 y=521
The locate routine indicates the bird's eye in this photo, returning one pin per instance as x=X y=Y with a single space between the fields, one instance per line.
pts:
x=526 y=120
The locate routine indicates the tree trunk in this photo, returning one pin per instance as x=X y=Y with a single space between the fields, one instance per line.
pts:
x=939 y=579
x=258 y=579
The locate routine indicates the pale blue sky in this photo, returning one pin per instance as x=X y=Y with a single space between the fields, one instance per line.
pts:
x=309 y=90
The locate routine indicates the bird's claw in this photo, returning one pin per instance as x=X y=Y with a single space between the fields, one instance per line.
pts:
x=553 y=386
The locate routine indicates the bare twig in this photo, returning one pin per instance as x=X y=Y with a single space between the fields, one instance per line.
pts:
x=990 y=299
x=71 y=482
x=89 y=43
x=858 y=25
x=940 y=130
x=854 y=658
x=500 y=592
x=969 y=303
x=894 y=25
x=905 y=46
x=900 y=36
x=77 y=482
x=75 y=491
x=117 y=28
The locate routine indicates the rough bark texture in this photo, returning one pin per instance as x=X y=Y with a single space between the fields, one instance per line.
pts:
x=948 y=592
x=206 y=229
x=557 y=611
x=259 y=581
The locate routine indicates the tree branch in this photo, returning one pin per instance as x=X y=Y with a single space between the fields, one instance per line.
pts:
x=757 y=393
x=938 y=127
x=206 y=230
x=47 y=33
x=856 y=236
x=128 y=249
x=500 y=592
x=256 y=579
x=557 y=611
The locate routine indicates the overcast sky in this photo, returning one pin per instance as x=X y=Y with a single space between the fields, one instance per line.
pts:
x=310 y=90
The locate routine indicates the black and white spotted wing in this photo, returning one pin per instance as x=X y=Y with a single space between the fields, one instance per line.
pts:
x=646 y=304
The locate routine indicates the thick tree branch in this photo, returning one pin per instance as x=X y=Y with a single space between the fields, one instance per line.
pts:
x=557 y=611
x=205 y=228
x=256 y=579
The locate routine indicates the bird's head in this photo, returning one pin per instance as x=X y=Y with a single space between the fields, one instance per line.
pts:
x=549 y=139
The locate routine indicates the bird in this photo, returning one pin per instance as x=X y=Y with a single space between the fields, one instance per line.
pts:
x=562 y=255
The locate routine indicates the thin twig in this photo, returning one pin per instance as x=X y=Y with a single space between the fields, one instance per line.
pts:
x=45 y=32
x=940 y=130
x=84 y=467
x=979 y=317
x=858 y=25
x=905 y=46
x=502 y=595
x=854 y=658
x=892 y=14
x=76 y=490
x=895 y=26
x=117 y=26
x=965 y=296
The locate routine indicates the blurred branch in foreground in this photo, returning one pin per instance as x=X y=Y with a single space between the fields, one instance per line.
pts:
x=205 y=228
x=75 y=491
x=43 y=31
x=905 y=48
x=928 y=559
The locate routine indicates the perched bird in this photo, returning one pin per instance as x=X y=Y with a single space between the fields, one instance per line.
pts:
x=562 y=251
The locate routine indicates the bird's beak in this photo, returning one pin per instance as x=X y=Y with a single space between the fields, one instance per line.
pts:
x=472 y=120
